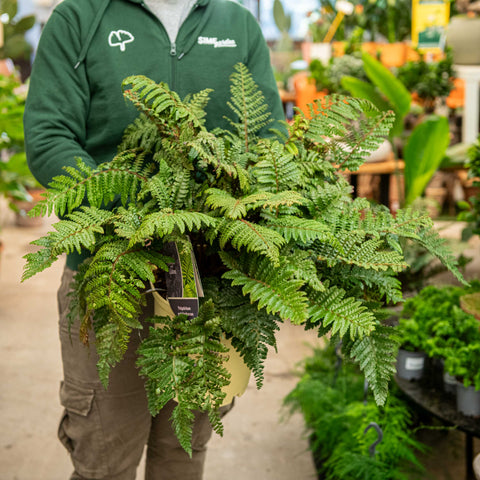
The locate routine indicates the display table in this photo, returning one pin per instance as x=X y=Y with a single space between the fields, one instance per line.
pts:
x=471 y=75
x=443 y=406
x=385 y=169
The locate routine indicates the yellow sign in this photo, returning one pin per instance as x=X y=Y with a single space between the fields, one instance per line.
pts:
x=429 y=21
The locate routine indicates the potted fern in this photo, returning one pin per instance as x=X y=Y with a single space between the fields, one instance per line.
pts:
x=274 y=231
x=411 y=354
x=464 y=364
x=329 y=395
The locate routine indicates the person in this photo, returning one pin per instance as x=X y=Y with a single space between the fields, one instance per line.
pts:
x=75 y=108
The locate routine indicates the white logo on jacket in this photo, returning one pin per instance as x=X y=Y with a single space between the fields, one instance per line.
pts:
x=216 y=43
x=119 y=38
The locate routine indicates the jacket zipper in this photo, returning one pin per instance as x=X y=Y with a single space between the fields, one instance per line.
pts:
x=173 y=54
x=173 y=45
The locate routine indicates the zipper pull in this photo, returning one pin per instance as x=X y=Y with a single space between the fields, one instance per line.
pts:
x=173 y=50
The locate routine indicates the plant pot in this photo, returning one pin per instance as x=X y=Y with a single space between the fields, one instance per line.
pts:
x=240 y=373
x=306 y=93
x=468 y=400
x=21 y=218
x=390 y=54
x=393 y=54
x=449 y=384
x=463 y=34
x=410 y=365
x=316 y=51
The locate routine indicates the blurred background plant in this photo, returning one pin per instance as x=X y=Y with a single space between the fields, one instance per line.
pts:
x=15 y=46
x=331 y=397
x=15 y=176
x=283 y=22
x=387 y=20
x=471 y=206
x=428 y=82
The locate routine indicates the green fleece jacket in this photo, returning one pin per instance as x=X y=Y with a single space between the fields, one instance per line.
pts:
x=75 y=106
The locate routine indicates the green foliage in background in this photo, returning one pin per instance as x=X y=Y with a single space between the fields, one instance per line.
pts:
x=15 y=46
x=429 y=80
x=15 y=176
x=471 y=208
x=329 y=76
x=330 y=397
x=425 y=146
x=434 y=322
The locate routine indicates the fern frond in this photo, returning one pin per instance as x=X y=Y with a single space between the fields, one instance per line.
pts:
x=165 y=222
x=276 y=171
x=184 y=360
x=376 y=355
x=385 y=283
x=99 y=186
x=274 y=288
x=328 y=199
x=437 y=246
x=182 y=423
x=116 y=278
x=248 y=104
x=302 y=230
x=253 y=332
x=236 y=208
x=197 y=103
x=224 y=157
x=142 y=134
x=158 y=101
x=348 y=136
x=111 y=344
x=229 y=206
x=251 y=236
x=369 y=254
x=77 y=231
x=342 y=313
x=304 y=267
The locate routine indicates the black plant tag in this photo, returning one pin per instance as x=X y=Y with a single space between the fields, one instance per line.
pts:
x=183 y=281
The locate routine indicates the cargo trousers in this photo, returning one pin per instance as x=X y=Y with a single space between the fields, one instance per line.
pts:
x=105 y=431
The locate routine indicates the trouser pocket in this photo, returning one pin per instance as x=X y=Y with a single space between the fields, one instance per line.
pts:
x=80 y=430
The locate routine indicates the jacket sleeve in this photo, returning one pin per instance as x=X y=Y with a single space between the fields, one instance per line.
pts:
x=260 y=67
x=57 y=103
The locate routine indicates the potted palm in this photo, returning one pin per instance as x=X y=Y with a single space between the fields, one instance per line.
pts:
x=272 y=226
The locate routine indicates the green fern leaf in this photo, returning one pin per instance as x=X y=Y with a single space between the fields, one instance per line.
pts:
x=111 y=344
x=344 y=314
x=302 y=230
x=251 y=236
x=248 y=104
x=274 y=288
x=78 y=231
x=276 y=171
x=163 y=223
x=348 y=136
x=376 y=355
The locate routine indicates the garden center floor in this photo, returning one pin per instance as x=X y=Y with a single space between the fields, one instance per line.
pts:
x=259 y=441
